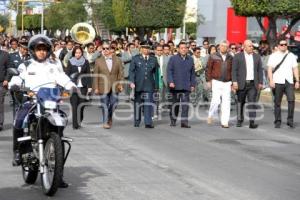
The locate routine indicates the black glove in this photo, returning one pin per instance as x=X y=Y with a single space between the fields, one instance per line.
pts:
x=15 y=88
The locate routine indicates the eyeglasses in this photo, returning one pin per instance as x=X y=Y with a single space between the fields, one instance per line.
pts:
x=193 y=45
x=106 y=48
x=285 y=44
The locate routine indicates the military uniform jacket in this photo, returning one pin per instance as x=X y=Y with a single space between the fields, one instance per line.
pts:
x=15 y=60
x=144 y=73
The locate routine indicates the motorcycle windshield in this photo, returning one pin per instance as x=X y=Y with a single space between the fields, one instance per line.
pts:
x=48 y=94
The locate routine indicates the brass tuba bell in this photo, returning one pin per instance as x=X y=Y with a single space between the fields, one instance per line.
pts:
x=83 y=33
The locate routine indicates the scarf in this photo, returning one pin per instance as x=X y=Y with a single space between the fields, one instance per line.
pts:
x=77 y=62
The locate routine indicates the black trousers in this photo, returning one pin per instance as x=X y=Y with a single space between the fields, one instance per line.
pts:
x=289 y=90
x=249 y=92
x=180 y=98
x=77 y=101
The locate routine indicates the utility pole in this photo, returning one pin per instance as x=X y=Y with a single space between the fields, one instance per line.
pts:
x=42 y=17
x=22 y=1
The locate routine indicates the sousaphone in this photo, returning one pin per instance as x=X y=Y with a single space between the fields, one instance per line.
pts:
x=83 y=33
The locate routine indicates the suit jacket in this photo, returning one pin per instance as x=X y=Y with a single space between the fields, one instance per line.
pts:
x=144 y=73
x=164 y=68
x=126 y=59
x=239 y=71
x=4 y=65
x=86 y=79
x=108 y=81
x=181 y=72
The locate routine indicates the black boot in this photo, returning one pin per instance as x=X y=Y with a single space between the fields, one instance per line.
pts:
x=17 y=159
x=63 y=184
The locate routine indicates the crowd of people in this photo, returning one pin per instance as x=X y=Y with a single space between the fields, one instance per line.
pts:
x=178 y=75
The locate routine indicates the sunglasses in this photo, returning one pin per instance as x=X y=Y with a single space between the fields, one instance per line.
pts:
x=233 y=48
x=106 y=48
x=283 y=44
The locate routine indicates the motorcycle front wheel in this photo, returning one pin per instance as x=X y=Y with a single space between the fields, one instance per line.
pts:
x=53 y=170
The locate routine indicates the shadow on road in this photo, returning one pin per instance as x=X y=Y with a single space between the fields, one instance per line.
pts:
x=78 y=177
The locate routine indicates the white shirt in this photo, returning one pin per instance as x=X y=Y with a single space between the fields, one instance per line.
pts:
x=38 y=75
x=109 y=63
x=223 y=56
x=285 y=71
x=249 y=66
x=161 y=63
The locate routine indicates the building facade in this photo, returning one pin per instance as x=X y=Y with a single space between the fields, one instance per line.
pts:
x=219 y=23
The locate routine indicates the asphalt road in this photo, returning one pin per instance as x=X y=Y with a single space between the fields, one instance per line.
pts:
x=201 y=163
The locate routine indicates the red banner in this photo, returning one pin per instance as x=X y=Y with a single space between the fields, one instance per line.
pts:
x=236 y=27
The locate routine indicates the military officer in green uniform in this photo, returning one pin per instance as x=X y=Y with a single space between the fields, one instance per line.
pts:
x=144 y=81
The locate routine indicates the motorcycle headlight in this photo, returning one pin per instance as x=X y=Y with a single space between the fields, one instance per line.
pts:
x=50 y=104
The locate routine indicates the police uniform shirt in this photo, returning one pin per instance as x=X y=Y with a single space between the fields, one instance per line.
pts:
x=285 y=71
x=46 y=74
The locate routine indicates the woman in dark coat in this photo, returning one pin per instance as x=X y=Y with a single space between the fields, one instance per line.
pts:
x=79 y=64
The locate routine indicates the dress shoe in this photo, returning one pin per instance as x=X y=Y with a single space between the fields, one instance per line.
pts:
x=290 y=124
x=253 y=125
x=109 y=122
x=106 y=126
x=277 y=125
x=239 y=124
x=173 y=123
x=76 y=127
x=209 y=120
x=225 y=126
x=185 y=126
x=149 y=126
x=17 y=159
x=63 y=184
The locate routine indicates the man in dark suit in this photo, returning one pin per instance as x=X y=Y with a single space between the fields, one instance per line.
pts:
x=4 y=64
x=247 y=78
x=182 y=80
x=16 y=59
x=144 y=80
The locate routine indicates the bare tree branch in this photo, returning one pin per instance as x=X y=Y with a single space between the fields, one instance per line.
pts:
x=260 y=23
x=290 y=26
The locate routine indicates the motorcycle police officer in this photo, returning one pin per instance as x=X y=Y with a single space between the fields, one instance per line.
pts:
x=42 y=70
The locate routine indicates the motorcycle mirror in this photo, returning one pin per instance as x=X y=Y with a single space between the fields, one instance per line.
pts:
x=13 y=71
x=74 y=75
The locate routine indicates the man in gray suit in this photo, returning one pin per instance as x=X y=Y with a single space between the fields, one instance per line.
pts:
x=126 y=59
x=247 y=79
x=163 y=64
x=4 y=64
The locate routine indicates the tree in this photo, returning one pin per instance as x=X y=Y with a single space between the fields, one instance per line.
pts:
x=30 y=22
x=4 y=22
x=143 y=15
x=191 y=28
x=273 y=10
x=63 y=15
